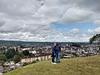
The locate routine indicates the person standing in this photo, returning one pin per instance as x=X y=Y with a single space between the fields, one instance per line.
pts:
x=56 y=50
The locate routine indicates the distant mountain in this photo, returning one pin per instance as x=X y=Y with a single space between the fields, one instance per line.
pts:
x=27 y=43
x=19 y=43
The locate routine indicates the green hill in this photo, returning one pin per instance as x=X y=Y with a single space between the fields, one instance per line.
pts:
x=74 y=66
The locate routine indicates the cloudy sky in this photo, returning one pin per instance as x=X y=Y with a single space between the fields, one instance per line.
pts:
x=49 y=20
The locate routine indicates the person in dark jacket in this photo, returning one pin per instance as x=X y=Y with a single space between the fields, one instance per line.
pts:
x=56 y=53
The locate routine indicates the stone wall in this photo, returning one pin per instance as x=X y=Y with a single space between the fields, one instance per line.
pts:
x=41 y=58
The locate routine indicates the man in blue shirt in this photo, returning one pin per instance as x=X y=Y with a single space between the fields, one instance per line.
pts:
x=56 y=53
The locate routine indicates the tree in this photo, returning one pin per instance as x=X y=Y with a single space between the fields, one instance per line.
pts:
x=10 y=53
x=95 y=38
x=26 y=53
x=17 y=58
x=2 y=58
x=92 y=39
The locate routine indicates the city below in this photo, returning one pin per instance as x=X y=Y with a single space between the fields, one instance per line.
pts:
x=15 y=54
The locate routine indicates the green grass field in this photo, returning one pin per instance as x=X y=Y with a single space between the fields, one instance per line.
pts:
x=74 y=66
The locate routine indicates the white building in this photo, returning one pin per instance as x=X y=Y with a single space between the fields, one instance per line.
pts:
x=40 y=58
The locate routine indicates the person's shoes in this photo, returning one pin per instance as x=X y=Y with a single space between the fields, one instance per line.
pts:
x=54 y=63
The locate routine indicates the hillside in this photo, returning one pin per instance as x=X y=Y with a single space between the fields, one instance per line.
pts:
x=74 y=66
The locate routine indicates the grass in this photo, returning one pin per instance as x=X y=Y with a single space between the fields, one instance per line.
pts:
x=75 y=66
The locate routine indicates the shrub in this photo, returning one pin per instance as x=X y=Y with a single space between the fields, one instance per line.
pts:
x=24 y=64
x=34 y=62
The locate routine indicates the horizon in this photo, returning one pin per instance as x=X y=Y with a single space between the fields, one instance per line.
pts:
x=40 y=41
x=49 y=20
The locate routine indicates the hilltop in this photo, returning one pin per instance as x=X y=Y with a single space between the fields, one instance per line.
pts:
x=74 y=66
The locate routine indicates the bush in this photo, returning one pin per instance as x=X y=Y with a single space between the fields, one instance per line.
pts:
x=24 y=64
x=17 y=58
x=37 y=59
x=34 y=62
x=10 y=53
x=75 y=55
x=2 y=59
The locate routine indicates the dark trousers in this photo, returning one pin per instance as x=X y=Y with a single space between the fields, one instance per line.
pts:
x=53 y=57
x=56 y=57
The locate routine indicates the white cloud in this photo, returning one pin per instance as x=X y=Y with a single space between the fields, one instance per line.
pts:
x=97 y=30
x=97 y=22
x=75 y=30
x=76 y=14
x=31 y=19
x=94 y=31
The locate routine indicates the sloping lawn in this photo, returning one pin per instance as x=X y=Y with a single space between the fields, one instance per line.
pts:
x=74 y=66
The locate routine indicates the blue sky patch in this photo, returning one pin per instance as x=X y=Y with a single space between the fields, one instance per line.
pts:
x=62 y=27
